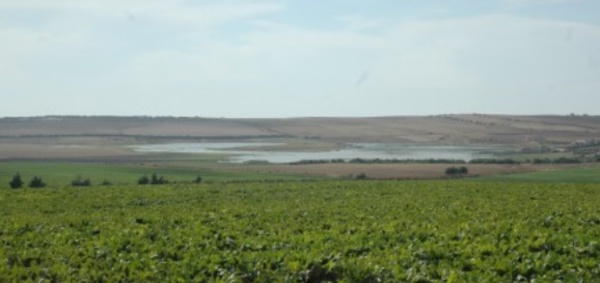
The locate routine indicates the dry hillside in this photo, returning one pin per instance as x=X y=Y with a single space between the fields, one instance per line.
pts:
x=456 y=129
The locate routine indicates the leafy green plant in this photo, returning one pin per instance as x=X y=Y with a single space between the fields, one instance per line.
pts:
x=16 y=181
x=37 y=182
x=457 y=171
x=344 y=231
x=80 y=182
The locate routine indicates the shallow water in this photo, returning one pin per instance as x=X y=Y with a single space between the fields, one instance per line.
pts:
x=359 y=150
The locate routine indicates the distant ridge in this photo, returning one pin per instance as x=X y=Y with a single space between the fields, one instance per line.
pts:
x=443 y=129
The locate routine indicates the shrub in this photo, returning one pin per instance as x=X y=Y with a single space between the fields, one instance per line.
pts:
x=198 y=179
x=157 y=180
x=106 y=183
x=454 y=171
x=16 y=181
x=37 y=182
x=144 y=180
x=361 y=176
x=80 y=182
x=152 y=180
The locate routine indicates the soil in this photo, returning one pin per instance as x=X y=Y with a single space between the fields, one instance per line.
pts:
x=107 y=138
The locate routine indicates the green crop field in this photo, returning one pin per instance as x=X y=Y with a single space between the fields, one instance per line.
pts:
x=589 y=174
x=60 y=174
x=338 y=231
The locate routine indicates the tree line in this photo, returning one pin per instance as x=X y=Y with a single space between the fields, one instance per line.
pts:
x=37 y=182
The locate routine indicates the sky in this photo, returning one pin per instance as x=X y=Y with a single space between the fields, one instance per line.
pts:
x=299 y=58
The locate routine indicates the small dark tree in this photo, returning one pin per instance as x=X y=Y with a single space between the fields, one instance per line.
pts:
x=198 y=179
x=106 y=183
x=455 y=171
x=361 y=176
x=16 y=181
x=144 y=180
x=451 y=171
x=157 y=180
x=37 y=182
x=80 y=182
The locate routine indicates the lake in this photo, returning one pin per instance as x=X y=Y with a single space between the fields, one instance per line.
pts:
x=356 y=150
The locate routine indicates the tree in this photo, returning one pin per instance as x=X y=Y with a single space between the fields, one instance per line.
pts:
x=455 y=171
x=361 y=176
x=157 y=180
x=152 y=180
x=37 y=182
x=144 y=180
x=80 y=182
x=198 y=179
x=16 y=181
x=451 y=171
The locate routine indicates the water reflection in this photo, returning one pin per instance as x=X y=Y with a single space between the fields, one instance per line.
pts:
x=359 y=150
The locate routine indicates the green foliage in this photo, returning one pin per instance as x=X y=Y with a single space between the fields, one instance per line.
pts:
x=456 y=171
x=61 y=173
x=80 y=182
x=361 y=176
x=493 y=161
x=586 y=174
x=379 y=161
x=144 y=180
x=198 y=179
x=157 y=180
x=152 y=180
x=36 y=182
x=351 y=231
x=16 y=182
x=560 y=160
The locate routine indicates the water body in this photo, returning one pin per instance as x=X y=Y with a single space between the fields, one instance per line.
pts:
x=357 y=150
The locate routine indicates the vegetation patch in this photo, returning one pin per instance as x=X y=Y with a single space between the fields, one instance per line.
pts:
x=344 y=231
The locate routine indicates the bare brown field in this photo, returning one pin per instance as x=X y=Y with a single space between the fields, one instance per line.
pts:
x=524 y=131
x=28 y=151
x=106 y=139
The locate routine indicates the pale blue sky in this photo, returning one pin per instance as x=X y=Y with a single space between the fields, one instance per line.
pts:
x=290 y=58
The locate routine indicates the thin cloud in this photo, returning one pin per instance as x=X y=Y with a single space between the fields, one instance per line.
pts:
x=197 y=60
x=537 y=2
x=165 y=12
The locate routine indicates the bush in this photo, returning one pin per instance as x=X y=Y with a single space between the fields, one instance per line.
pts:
x=153 y=180
x=454 y=171
x=361 y=176
x=105 y=183
x=198 y=179
x=144 y=180
x=158 y=180
x=80 y=182
x=37 y=182
x=16 y=181
x=493 y=161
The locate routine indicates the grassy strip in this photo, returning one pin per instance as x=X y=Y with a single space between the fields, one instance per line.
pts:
x=568 y=175
x=58 y=174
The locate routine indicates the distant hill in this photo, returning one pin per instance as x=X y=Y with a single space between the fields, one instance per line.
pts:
x=445 y=129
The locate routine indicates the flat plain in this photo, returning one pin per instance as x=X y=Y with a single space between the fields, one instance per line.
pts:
x=531 y=220
x=107 y=141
